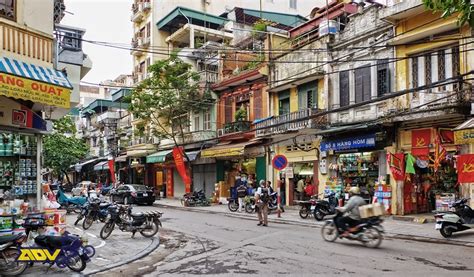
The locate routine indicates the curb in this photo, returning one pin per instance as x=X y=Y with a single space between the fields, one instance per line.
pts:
x=413 y=218
x=295 y=223
x=150 y=248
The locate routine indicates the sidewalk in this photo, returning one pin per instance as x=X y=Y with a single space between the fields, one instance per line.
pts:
x=393 y=228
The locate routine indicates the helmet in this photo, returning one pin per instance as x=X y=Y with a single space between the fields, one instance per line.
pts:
x=354 y=190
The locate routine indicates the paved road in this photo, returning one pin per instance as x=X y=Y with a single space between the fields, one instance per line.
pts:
x=214 y=244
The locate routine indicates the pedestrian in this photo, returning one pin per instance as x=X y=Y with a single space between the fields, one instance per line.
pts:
x=262 y=197
x=241 y=193
x=300 y=189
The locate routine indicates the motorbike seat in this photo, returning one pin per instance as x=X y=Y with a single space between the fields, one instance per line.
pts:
x=137 y=215
x=54 y=241
x=104 y=205
x=9 y=238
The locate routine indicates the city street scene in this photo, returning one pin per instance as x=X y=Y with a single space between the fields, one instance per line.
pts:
x=244 y=137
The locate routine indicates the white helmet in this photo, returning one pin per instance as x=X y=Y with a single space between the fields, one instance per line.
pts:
x=354 y=190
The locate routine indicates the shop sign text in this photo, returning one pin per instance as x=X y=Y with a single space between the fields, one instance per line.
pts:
x=349 y=143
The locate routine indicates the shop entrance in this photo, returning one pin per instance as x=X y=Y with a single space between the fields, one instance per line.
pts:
x=303 y=176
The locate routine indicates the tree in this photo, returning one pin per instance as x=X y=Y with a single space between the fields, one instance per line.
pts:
x=450 y=7
x=165 y=100
x=62 y=149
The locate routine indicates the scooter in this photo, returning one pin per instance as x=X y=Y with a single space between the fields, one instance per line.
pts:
x=71 y=204
x=325 y=207
x=197 y=198
x=307 y=208
x=369 y=231
x=459 y=220
x=97 y=210
x=9 y=251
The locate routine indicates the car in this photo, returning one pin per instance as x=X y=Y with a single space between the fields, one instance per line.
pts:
x=133 y=194
x=82 y=188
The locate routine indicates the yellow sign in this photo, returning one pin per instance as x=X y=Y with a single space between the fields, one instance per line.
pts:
x=17 y=87
x=464 y=136
x=222 y=152
x=37 y=255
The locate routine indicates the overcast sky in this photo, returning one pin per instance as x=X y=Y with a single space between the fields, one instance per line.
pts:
x=104 y=20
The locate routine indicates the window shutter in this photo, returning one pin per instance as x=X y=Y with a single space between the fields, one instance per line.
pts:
x=367 y=91
x=383 y=77
x=257 y=104
x=359 y=87
x=228 y=110
x=344 y=88
x=302 y=99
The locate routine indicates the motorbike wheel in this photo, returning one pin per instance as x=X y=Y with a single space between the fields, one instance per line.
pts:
x=79 y=218
x=76 y=263
x=233 y=205
x=304 y=212
x=107 y=230
x=318 y=214
x=126 y=201
x=372 y=238
x=249 y=208
x=148 y=233
x=89 y=250
x=9 y=265
x=87 y=223
x=329 y=231
x=445 y=231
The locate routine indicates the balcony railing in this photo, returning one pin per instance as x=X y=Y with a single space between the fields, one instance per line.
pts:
x=290 y=122
x=207 y=76
x=199 y=136
x=69 y=38
x=235 y=127
x=137 y=10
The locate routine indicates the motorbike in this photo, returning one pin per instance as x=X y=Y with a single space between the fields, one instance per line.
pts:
x=9 y=252
x=325 y=207
x=82 y=214
x=74 y=254
x=272 y=204
x=307 y=208
x=459 y=220
x=233 y=204
x=146 y=223
x=369 y=231
x=96 y=210
x=197 y=198
x=70 y=204
x=249 y=204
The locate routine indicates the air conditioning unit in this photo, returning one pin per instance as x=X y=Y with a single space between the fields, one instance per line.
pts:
x=220 y=132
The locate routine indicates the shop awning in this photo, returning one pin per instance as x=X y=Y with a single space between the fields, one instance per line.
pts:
x=464 y=133
x=158 y=157
x=33 y=82
x=102 y=166
x=122 y=158
x=227 y=150
x=140 y=153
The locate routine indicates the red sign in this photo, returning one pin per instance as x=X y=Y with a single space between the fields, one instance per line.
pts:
x=396 y=163
x=446 y=136
x=169 y=182
x=181 y=167
x=420 y=138
x=465 y=166
x=279 y=162
x=112 y=170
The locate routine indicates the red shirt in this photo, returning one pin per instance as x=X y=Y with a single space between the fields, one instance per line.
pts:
x=309 y=190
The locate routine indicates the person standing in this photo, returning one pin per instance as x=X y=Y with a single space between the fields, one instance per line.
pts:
x=262 y=197
x=241 y=193
x=300 y=189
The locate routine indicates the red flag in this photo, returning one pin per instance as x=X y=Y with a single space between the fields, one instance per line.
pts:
x=420 y=138
x=111 y=164
x=396 y=163
x=440 y=154
x=180 y=166
x=465 y=166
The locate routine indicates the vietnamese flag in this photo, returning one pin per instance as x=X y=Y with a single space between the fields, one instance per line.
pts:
x=465 y=166
x=180 y=166
x=420 y=138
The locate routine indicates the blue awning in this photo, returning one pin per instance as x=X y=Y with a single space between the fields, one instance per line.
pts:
x=34 y=72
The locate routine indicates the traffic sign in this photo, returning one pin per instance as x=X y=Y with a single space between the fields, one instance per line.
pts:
x=279 y=162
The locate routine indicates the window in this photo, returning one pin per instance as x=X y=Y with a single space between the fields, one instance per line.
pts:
x=344 y=88
x=383 y=77
x=148 y=29
x=441 y=68
x=307 y=96
x=362 y=84
x=142 y=67
x=257 y=104
x=284 y=102
x=455 y=64
x=7 y=9
x=207 y=121
x=228 y=109
x=293 y=4
x=428 y=70
x=197 y=127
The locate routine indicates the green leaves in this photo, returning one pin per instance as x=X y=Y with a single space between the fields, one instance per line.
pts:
x=61 y=151
x=450 y=7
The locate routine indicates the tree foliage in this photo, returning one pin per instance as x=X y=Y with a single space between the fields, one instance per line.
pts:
x=62 y=149
x=165 y=100
x=450 y=7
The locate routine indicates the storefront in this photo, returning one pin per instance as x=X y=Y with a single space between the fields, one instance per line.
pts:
x=354 y=161
x=464 y=135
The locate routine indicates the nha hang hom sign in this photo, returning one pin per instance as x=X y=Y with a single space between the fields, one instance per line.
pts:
x=349 y=143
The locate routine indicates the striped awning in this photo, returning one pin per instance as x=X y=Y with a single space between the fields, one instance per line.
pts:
x=101 y=166
x=34 y=72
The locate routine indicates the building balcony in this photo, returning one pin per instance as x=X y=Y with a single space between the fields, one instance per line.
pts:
x=144 y=42
x=197 y=136
x=401 y=9
x=137 y=12
x=290 y=122
x=234 y=127
x=143 y=140
x=136 y=47
x=108 y=117
x=209 y=77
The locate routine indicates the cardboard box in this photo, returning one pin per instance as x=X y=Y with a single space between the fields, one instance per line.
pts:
x=371 y=210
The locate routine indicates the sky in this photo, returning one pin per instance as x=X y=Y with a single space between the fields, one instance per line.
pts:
x=104 y=20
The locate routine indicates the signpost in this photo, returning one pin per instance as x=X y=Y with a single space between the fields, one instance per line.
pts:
x=279 y=162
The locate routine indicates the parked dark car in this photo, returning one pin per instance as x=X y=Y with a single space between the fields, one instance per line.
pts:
x=133 y=194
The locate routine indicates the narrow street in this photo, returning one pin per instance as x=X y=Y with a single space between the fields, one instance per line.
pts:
x=198 y=243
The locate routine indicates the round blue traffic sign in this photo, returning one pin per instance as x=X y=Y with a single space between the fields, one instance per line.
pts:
x=279 y=162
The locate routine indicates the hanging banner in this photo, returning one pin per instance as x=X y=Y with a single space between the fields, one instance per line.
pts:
x=396 y=164
x=465 y=136
x=181 y=167
x=420 y=138
x=349 y=143
x=446 y=136
x=465 y=166
x=112 y=170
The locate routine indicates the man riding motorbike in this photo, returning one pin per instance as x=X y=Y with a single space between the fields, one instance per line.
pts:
x=351 y=209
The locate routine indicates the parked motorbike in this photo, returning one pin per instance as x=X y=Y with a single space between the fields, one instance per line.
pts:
x=74 y=254
x=249 y=204
x=197 y=198
x=146 y=223
x=459 y=220
x=369 y=231
x=97 y=210
x=233 y=204
x=272 y=204
x=70 y=204
x=82 y=214
x=9 y=252
x=325 y=207
x=307 y=208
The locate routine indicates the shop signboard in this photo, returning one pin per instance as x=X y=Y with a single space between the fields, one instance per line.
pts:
x=279 y=162
x=289 y=172
x=465 y=136
x=349 y=143
x=16 y=115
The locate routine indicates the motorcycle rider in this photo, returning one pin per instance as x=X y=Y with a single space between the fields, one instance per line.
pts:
x=351 y=209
